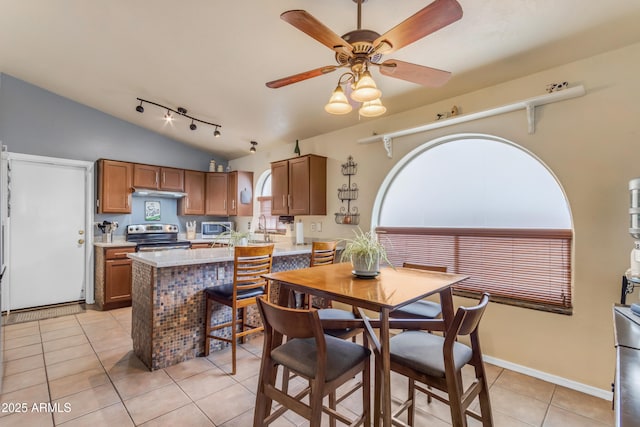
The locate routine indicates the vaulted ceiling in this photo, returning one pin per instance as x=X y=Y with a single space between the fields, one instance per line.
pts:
x=213 y=57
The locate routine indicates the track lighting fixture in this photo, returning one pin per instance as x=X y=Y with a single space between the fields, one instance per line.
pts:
x=168 y=117
x=364 y=90
x=252 y=150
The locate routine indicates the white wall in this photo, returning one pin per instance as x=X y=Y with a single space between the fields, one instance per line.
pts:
x=591 y=143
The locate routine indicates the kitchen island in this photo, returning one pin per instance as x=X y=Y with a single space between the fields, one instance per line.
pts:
x=168 y=302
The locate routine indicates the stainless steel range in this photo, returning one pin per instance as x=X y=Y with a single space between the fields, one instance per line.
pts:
x=155 y=237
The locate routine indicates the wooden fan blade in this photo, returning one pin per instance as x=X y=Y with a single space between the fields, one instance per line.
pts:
x=425 y=76
x=309 y=25
x=435 y=16
x=300 y=77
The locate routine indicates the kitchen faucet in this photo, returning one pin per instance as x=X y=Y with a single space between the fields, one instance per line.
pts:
x=262 y=225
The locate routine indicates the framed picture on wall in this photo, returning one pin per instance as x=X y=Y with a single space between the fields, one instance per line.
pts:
x=152 y=211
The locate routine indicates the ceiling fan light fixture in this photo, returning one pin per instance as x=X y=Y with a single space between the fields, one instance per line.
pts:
x=338 y=103
x=365 y=89
x=372 y=108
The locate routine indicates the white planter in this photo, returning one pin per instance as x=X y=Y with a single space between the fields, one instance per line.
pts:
x=362 y=268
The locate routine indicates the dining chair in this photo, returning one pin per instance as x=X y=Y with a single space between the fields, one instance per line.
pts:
x=324 y=361
x=437 y=362
x=323 y=253
x=423 y=309
x=249 y=263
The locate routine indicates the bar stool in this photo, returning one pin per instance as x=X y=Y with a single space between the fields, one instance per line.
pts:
x=249 y=263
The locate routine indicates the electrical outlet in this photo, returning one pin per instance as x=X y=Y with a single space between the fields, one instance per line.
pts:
x=313 y=226
x=319 y=226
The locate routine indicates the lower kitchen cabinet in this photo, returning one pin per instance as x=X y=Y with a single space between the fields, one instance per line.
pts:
x=113 y=277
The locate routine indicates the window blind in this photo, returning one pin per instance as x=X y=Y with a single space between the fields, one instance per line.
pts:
x=526 y=267
x=272 y=223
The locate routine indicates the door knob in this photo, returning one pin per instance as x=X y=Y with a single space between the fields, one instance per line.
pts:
x=80 y=241
x=81 y=232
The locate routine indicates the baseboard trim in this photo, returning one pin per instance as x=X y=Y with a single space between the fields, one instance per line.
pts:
x=554 y=379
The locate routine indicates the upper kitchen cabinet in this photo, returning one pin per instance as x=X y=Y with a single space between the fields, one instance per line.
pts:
x=240 y=193
x=216 y=194
x=156 y=177
x=194 y=186
x=299 y=186
x=229 y=194
x=115 y=180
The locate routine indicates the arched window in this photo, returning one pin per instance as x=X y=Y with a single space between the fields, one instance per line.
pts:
x=484 y=207
x=265 y=219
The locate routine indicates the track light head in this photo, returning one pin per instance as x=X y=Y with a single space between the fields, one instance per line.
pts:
x=168 y=117
x=216 y=133
x=193 y=126
x=140 y=108
x=252 y=150
x=182 y=111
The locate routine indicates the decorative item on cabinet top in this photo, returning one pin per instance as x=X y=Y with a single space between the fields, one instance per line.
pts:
x=348 y=192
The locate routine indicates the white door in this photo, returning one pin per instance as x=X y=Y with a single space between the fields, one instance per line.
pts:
x=47 y=235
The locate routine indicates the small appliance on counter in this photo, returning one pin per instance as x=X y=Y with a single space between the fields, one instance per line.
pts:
x=213 y=229
x=107 y=228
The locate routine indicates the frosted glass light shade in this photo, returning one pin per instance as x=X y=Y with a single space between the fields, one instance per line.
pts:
x=372 y=108
x=366 y=89
x=338 y=103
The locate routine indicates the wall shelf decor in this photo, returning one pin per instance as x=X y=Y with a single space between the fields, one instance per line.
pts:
x=348 y=214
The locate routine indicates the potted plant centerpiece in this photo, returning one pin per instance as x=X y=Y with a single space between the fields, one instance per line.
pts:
x=232 y=239
x=364 y=251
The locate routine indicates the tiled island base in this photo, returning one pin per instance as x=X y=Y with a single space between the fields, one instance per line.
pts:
x=168 y=307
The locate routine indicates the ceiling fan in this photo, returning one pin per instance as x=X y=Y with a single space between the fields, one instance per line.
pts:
x=359 y=49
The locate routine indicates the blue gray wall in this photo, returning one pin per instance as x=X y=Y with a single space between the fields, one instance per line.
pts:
x=38 y=122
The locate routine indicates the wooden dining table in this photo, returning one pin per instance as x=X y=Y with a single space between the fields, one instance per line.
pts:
x=391 y=289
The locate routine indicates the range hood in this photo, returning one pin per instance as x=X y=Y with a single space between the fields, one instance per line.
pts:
x=147 y=192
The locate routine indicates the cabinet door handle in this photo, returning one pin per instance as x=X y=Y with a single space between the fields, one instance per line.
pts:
x=284 y=202
x=224 y=204
x=157 y=178
x=164 y=177
x=288 y=200
x=233 y=204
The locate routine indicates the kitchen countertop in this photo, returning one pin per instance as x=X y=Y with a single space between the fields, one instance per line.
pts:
x=178 y=257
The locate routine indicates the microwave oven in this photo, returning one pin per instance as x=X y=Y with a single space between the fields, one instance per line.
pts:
x=213 y=229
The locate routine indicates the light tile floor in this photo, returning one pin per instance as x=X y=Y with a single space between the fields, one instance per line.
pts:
x=79 y=370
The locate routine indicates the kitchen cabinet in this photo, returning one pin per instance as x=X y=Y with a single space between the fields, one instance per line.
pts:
x=194 y=202
x=216 y=194
x=240 y=193
x=157 y=177
x=299 y=186
x=229 y=194
x=113 y=277
x=115 y=180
